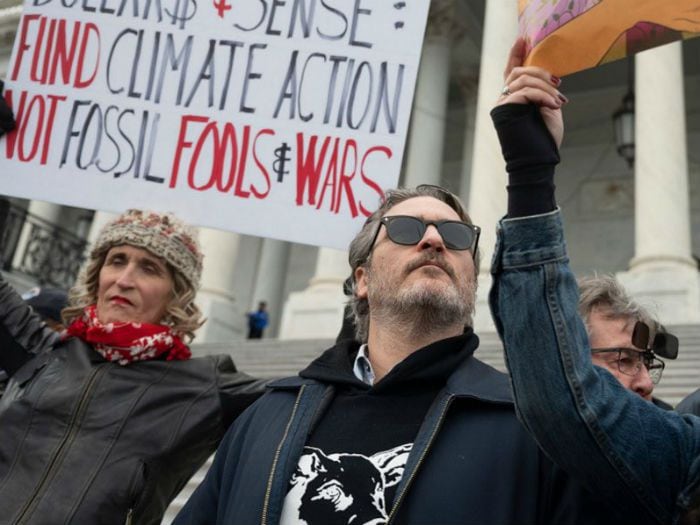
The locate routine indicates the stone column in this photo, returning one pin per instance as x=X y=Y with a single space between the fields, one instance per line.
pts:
x=9 y=20
x=487 y=194
x=427 y=135
x=469 y=84
x=215 y=297
x=246 y=265
x=317 y=312
x=662 y=270
x=98 y=222
x=269 y=281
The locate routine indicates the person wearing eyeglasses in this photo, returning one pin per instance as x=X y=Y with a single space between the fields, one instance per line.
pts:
x=400 y=423
x=620 y=333
x=643 y=460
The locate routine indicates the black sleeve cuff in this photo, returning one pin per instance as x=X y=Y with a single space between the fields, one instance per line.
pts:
x=531 y=156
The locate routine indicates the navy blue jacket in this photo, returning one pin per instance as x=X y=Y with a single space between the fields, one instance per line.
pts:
x=471 y=462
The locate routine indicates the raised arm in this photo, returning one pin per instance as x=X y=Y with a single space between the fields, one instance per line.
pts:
x=237 y=390
x=645 y=459
x=22 y=332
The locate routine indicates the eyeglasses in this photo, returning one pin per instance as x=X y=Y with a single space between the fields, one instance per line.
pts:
x=630 y=361
x=408 y=230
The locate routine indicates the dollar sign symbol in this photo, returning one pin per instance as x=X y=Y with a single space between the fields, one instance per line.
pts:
x=181 y=12
x=281 y=159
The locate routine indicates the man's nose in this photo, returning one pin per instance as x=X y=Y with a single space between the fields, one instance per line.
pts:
x=432 y=239
x=643 y=385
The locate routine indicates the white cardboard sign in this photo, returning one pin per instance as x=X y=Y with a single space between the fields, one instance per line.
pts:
x=278 y=118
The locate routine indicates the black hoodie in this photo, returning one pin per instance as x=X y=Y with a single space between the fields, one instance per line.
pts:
x=361 y=437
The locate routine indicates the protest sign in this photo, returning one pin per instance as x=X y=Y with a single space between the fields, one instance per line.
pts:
x=278 y=118
x=565 y=36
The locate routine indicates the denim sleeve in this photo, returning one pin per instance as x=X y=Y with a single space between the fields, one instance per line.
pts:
x=609 y=439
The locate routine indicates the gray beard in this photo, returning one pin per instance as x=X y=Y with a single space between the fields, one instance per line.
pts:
x=422 y=312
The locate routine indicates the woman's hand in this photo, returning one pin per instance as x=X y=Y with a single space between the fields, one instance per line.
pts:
x=533 y=85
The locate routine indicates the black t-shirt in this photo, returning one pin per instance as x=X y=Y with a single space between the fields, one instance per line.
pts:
x=356 y=452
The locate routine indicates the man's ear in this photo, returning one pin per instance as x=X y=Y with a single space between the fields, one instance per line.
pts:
x=361 y=282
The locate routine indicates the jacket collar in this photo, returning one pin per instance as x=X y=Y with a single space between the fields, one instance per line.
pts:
x=471 y=379
x=476 y=379
x=290 y=383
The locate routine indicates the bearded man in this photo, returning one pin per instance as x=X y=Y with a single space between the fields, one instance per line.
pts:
x=402 y=424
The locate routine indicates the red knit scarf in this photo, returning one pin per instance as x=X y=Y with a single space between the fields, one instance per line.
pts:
x=127 y=342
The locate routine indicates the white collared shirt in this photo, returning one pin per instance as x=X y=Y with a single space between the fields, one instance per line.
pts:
x=363 y=368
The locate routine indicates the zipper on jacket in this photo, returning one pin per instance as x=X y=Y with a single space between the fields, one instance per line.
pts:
x=55 y=462
x=135 y=495
x=268 y=490
x=400 y=497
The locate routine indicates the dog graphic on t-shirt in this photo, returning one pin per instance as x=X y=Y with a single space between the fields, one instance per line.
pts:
x=343 y=488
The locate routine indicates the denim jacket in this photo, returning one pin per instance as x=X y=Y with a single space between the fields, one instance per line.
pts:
x=645 y=459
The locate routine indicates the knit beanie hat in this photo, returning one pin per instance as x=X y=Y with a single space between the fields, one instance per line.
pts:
x=162 y=234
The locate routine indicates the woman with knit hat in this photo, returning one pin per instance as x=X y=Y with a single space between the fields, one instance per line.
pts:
x=106 y=422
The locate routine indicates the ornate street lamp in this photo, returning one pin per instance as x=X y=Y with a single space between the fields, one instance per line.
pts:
x=623 y=122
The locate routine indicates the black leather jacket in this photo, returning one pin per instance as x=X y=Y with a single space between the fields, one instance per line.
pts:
x=87 y=441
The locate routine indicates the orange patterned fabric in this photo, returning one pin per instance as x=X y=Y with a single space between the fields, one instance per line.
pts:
x=565 y=36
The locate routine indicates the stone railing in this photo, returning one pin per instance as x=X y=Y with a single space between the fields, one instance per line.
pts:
x=46 y=252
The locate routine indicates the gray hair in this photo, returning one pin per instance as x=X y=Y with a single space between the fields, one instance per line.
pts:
x=605 y=292
x=360 y=251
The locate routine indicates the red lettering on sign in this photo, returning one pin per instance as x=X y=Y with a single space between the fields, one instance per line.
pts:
x=53 y=49
x=219 y=141
x=39 y=136
x=309 y=168
x=341 y=164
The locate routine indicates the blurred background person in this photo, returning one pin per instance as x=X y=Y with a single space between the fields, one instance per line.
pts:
x=626 y=339
x=48 y=303
x=257 y=321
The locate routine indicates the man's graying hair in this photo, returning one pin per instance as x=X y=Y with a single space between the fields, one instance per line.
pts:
x=606 y=292
x=360 y=250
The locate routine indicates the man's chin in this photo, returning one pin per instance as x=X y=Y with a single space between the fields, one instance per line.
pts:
x=429 y=279
x=439 y=283
x=431 y=293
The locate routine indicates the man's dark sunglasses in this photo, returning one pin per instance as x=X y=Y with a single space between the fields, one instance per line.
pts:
x=408 y=230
